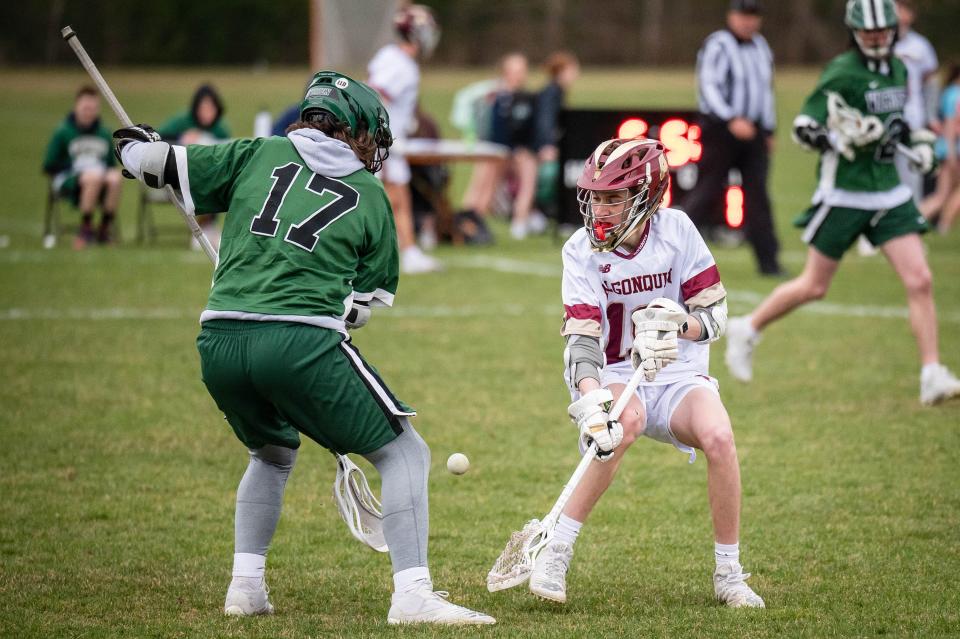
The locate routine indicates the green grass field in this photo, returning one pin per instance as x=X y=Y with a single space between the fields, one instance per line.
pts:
x=118 y=474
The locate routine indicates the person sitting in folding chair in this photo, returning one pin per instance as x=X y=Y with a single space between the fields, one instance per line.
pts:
x=83 y=169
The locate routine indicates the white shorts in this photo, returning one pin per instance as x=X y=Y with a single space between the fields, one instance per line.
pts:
x=659 y=403
x=395 y=170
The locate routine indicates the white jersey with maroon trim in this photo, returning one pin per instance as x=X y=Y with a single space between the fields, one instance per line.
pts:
x=396 y=76
x=602 y=290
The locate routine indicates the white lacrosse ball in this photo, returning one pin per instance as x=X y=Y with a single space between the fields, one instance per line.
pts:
x=458 y=463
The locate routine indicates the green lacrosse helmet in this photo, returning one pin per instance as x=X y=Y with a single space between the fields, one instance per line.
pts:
x=351 y=102
x=872 y=15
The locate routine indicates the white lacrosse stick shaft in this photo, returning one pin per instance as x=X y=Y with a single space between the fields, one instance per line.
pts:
x=909 y=153
x=591 y=453
x=71 y=37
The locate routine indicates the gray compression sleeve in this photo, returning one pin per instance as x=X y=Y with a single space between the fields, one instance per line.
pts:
x=404 y=467
x=260 y=497
x=583 y=358
x=713 y=320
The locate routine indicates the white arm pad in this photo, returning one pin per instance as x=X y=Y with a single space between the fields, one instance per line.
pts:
x=147 y=162
x=713 y=321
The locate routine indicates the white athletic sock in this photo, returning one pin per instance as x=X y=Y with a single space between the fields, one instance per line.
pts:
x=567 y=529
x=928 y=369
x=247 y=564
x=726 y=553
x=411 y=579
x=754 y=333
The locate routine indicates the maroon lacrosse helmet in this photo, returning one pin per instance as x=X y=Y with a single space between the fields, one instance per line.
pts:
x=415 y=23
x=639 y=165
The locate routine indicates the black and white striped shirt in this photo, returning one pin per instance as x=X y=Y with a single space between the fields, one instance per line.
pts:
x=735 y=79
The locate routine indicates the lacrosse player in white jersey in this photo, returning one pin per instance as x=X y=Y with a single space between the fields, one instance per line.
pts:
x=641 y=290
x=395 y=73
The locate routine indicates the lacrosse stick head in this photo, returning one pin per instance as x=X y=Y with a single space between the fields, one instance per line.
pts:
x=358 y=506
x=849 y=123
x=515 y=563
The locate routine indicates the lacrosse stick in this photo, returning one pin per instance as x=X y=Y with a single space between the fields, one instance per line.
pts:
x=71 y=38
x=515 y=563
x=358 y=507
x=854 y=127
x=350 y=482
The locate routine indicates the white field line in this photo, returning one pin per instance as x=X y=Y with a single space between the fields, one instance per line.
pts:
x=741 y=299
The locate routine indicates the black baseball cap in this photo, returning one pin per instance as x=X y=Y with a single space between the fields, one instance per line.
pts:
x=747 y=6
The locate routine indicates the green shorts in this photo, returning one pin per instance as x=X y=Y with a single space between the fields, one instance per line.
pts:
x=832 y=230
x=275 y=380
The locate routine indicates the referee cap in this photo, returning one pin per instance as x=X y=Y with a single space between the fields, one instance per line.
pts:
x=747 y=6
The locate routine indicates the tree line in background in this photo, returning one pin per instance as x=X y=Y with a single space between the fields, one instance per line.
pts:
x=475 y=32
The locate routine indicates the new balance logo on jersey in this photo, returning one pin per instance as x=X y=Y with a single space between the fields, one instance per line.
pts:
x=639 y=284
x=604 y=268
x=886 y=100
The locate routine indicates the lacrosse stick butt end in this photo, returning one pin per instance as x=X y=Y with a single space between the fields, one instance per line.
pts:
x=67 y=32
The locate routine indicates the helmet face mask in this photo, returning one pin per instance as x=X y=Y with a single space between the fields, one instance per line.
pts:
x=876 y=44
x=622 y=186
x=352 y=103
x=873 y=25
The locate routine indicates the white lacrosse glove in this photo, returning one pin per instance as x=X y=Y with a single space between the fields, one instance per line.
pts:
x=657 y=329
x=590 y=414
x=921 y=143
x=358 y=315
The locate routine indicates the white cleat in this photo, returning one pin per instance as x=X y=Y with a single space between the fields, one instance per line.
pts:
x=741 y=340
x=730 y=586
x=247 y=597
x=423 y=605
x=937 y=385
x=413 y=261
x=549 y=577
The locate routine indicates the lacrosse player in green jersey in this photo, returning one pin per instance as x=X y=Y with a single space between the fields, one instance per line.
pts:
x=309 y=247
x=854 y=118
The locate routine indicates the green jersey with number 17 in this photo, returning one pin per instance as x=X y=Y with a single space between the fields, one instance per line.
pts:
x=870 y=181
x=296 y=245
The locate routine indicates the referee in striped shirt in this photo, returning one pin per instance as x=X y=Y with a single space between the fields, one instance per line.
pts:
x=735 y=90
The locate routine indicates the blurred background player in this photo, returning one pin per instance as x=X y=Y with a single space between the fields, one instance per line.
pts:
x=395 y=73
x=201 y=123
x=944 y=203
x=859 y=193
x=738 y=117
x=638 y=269
x=562 y=69
x=920 y=111
x=310 y=247
x=79 y=159
x=474 y=114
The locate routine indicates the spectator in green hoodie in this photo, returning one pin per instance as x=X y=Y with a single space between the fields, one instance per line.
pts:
x=80 y=161
x=202 y=123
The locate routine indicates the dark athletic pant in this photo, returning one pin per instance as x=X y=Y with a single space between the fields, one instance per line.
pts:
x=705 y=204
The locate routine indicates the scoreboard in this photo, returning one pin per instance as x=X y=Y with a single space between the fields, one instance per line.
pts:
x=583 y=129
